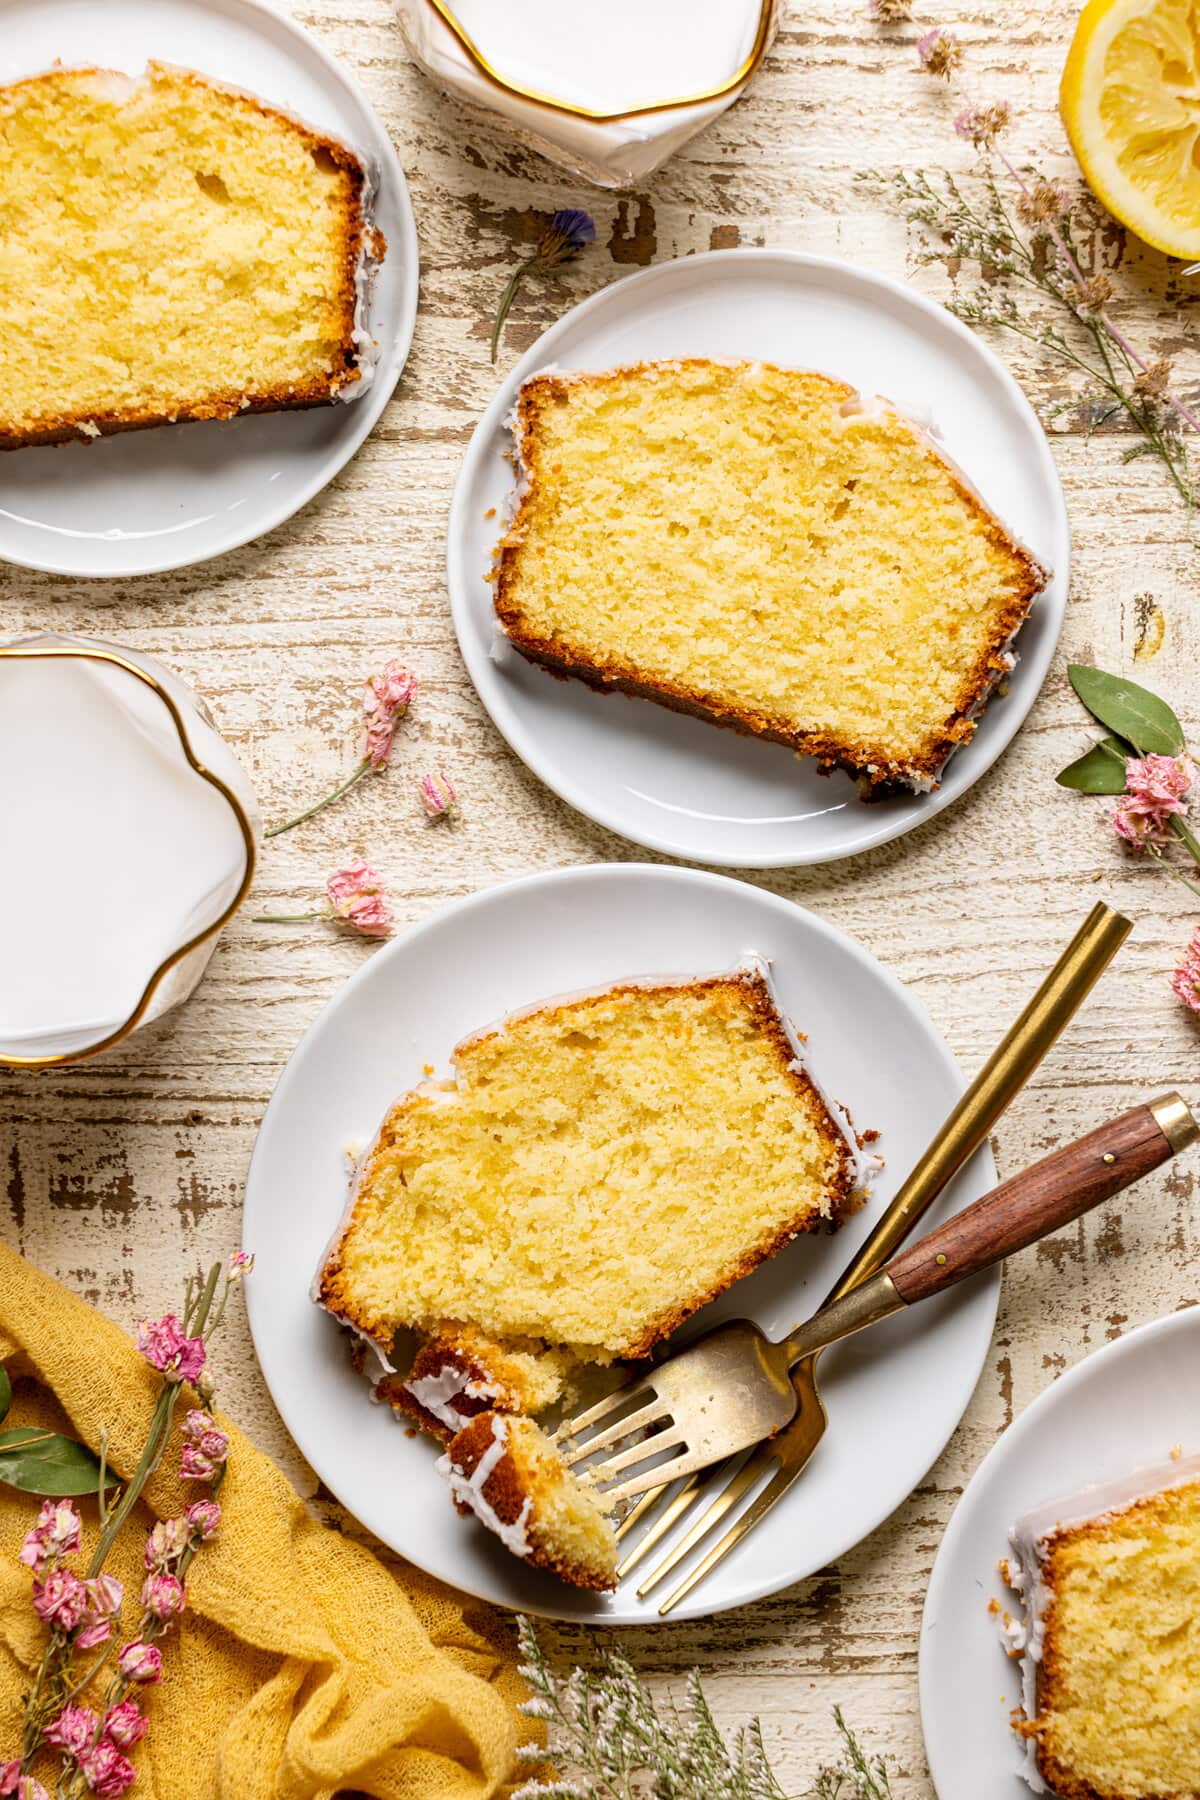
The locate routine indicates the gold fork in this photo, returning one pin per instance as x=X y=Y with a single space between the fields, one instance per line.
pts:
x=1019 y=1053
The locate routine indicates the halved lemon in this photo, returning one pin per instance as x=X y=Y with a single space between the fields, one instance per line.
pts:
x=1130 y=100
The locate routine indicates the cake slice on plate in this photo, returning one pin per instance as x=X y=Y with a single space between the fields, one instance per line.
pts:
x=767 y=549
x=173 y=249
x=1110 y=1642
x=598 y=1168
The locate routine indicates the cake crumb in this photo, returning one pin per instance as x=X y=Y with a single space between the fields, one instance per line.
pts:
x=428 y=1068
x=352 y=1151
x=993 y=1606
x=490 y=513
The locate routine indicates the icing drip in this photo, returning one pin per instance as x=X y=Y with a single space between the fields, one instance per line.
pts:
x=468 y=1490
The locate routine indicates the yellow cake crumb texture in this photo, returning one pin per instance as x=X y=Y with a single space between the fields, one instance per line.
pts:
x=1119 y=1686
x=598 y=1169
x=171 y=248
x=759 y=545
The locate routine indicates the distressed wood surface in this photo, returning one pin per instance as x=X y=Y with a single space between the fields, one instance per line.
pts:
x=119 y=1174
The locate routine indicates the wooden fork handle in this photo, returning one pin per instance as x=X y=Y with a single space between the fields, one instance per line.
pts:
x=1040 y=1199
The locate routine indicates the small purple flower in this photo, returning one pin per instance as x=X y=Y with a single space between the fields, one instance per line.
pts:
x=163 y=1343
x=73 y=1730
x=163 y=1596
x=141 y=1662
x=203 y=1517
x=569 y=231
x=125 y=1724
x=982 y=125
x=940 y=52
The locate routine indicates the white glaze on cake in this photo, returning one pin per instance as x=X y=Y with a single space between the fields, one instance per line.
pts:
x=468 y=1489
x=1030 y=1538
x=436 y=1394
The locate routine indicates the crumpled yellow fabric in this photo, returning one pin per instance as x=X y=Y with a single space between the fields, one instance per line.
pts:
x=302 y=1669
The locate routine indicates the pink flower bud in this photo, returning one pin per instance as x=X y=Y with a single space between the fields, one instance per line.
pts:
x=163 y=1343
x=73 y=1730
x=386 y=699
x=358 y=898
x=166 y=1544
x=438 y=796
x=107 y=1773
x=240 y=1263
x=104 y=1596
x=59 y=1598
x=141 y=1662
x=125 y=1724
x=90 y=1637
x=163 y=1596
x=203 y=1516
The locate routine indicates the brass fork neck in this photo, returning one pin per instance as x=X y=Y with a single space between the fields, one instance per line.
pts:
x=873 y=1300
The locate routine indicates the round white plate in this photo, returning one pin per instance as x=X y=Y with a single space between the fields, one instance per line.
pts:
x=894 y=1395
x=1122 y=1408
x=145 y=501
x=679 y=785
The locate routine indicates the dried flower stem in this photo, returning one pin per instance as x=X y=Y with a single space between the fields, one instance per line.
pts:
x=310 y=811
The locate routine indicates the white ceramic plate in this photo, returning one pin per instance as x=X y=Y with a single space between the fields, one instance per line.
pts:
x=894 y=1397
x=1122 y=1408
x=145 y=501
x=679 y=785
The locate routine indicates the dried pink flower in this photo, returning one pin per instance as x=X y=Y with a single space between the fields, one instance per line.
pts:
x=59 y=1598
x=1161 y=781
x=55 y=1534
x=240 y=1263
x=1185 y=983
x=166 y=1348
x=1045 y=203
x=357 y=896
x=982 y=125
x=73 y=1730
x=163 y=1596
x=201 y=1429
x=386 y=699
x=203 y=1516
x=22 y=1787
x=10 y=1774
x=1138 y=824
x=90 y=1637
x=104 y=1595
x=141 y=1662
x=107 y=1773
x=940 y=52
x=438 y=796
x=166 y=1544
x=891 y=12
x=125 y=1724
x=1154 y=382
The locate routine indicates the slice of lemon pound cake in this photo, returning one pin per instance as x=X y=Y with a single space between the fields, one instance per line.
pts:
x=599 y=1167
x=1110 y=1646
x=173 y=249
x=764 y=548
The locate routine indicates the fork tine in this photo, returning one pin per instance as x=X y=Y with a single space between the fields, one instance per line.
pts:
x=738 y=1485
x=774 y=1490
x=660 y=1527
x=603 y=1409
x=667 y=1439
x=639 y=1509
x=651 y=1414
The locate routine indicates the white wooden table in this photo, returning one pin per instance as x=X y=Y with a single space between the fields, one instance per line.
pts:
x=118 y=1174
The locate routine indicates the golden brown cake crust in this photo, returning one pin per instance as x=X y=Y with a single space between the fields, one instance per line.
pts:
x=1064 y=1783
x=878 y=776
x=358 y=236
x=332 y=1294
x=507 y=1493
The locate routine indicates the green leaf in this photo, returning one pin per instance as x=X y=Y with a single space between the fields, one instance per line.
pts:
x=1131 y=711
x=1101 y=770
x=5 y=1391
x=44 y=1462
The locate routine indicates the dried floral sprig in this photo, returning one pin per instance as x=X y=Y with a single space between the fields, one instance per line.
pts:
x=387 y=697
x=1185 y=983
x=357 y=897
x=83 y=1611
x=1005 y=248
x=569 y=231
x=607 y=1738
x=891 y=12
x=989 y=236
x=1145 y=761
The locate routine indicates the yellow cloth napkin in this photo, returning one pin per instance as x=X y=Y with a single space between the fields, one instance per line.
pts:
x=302 y=1669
